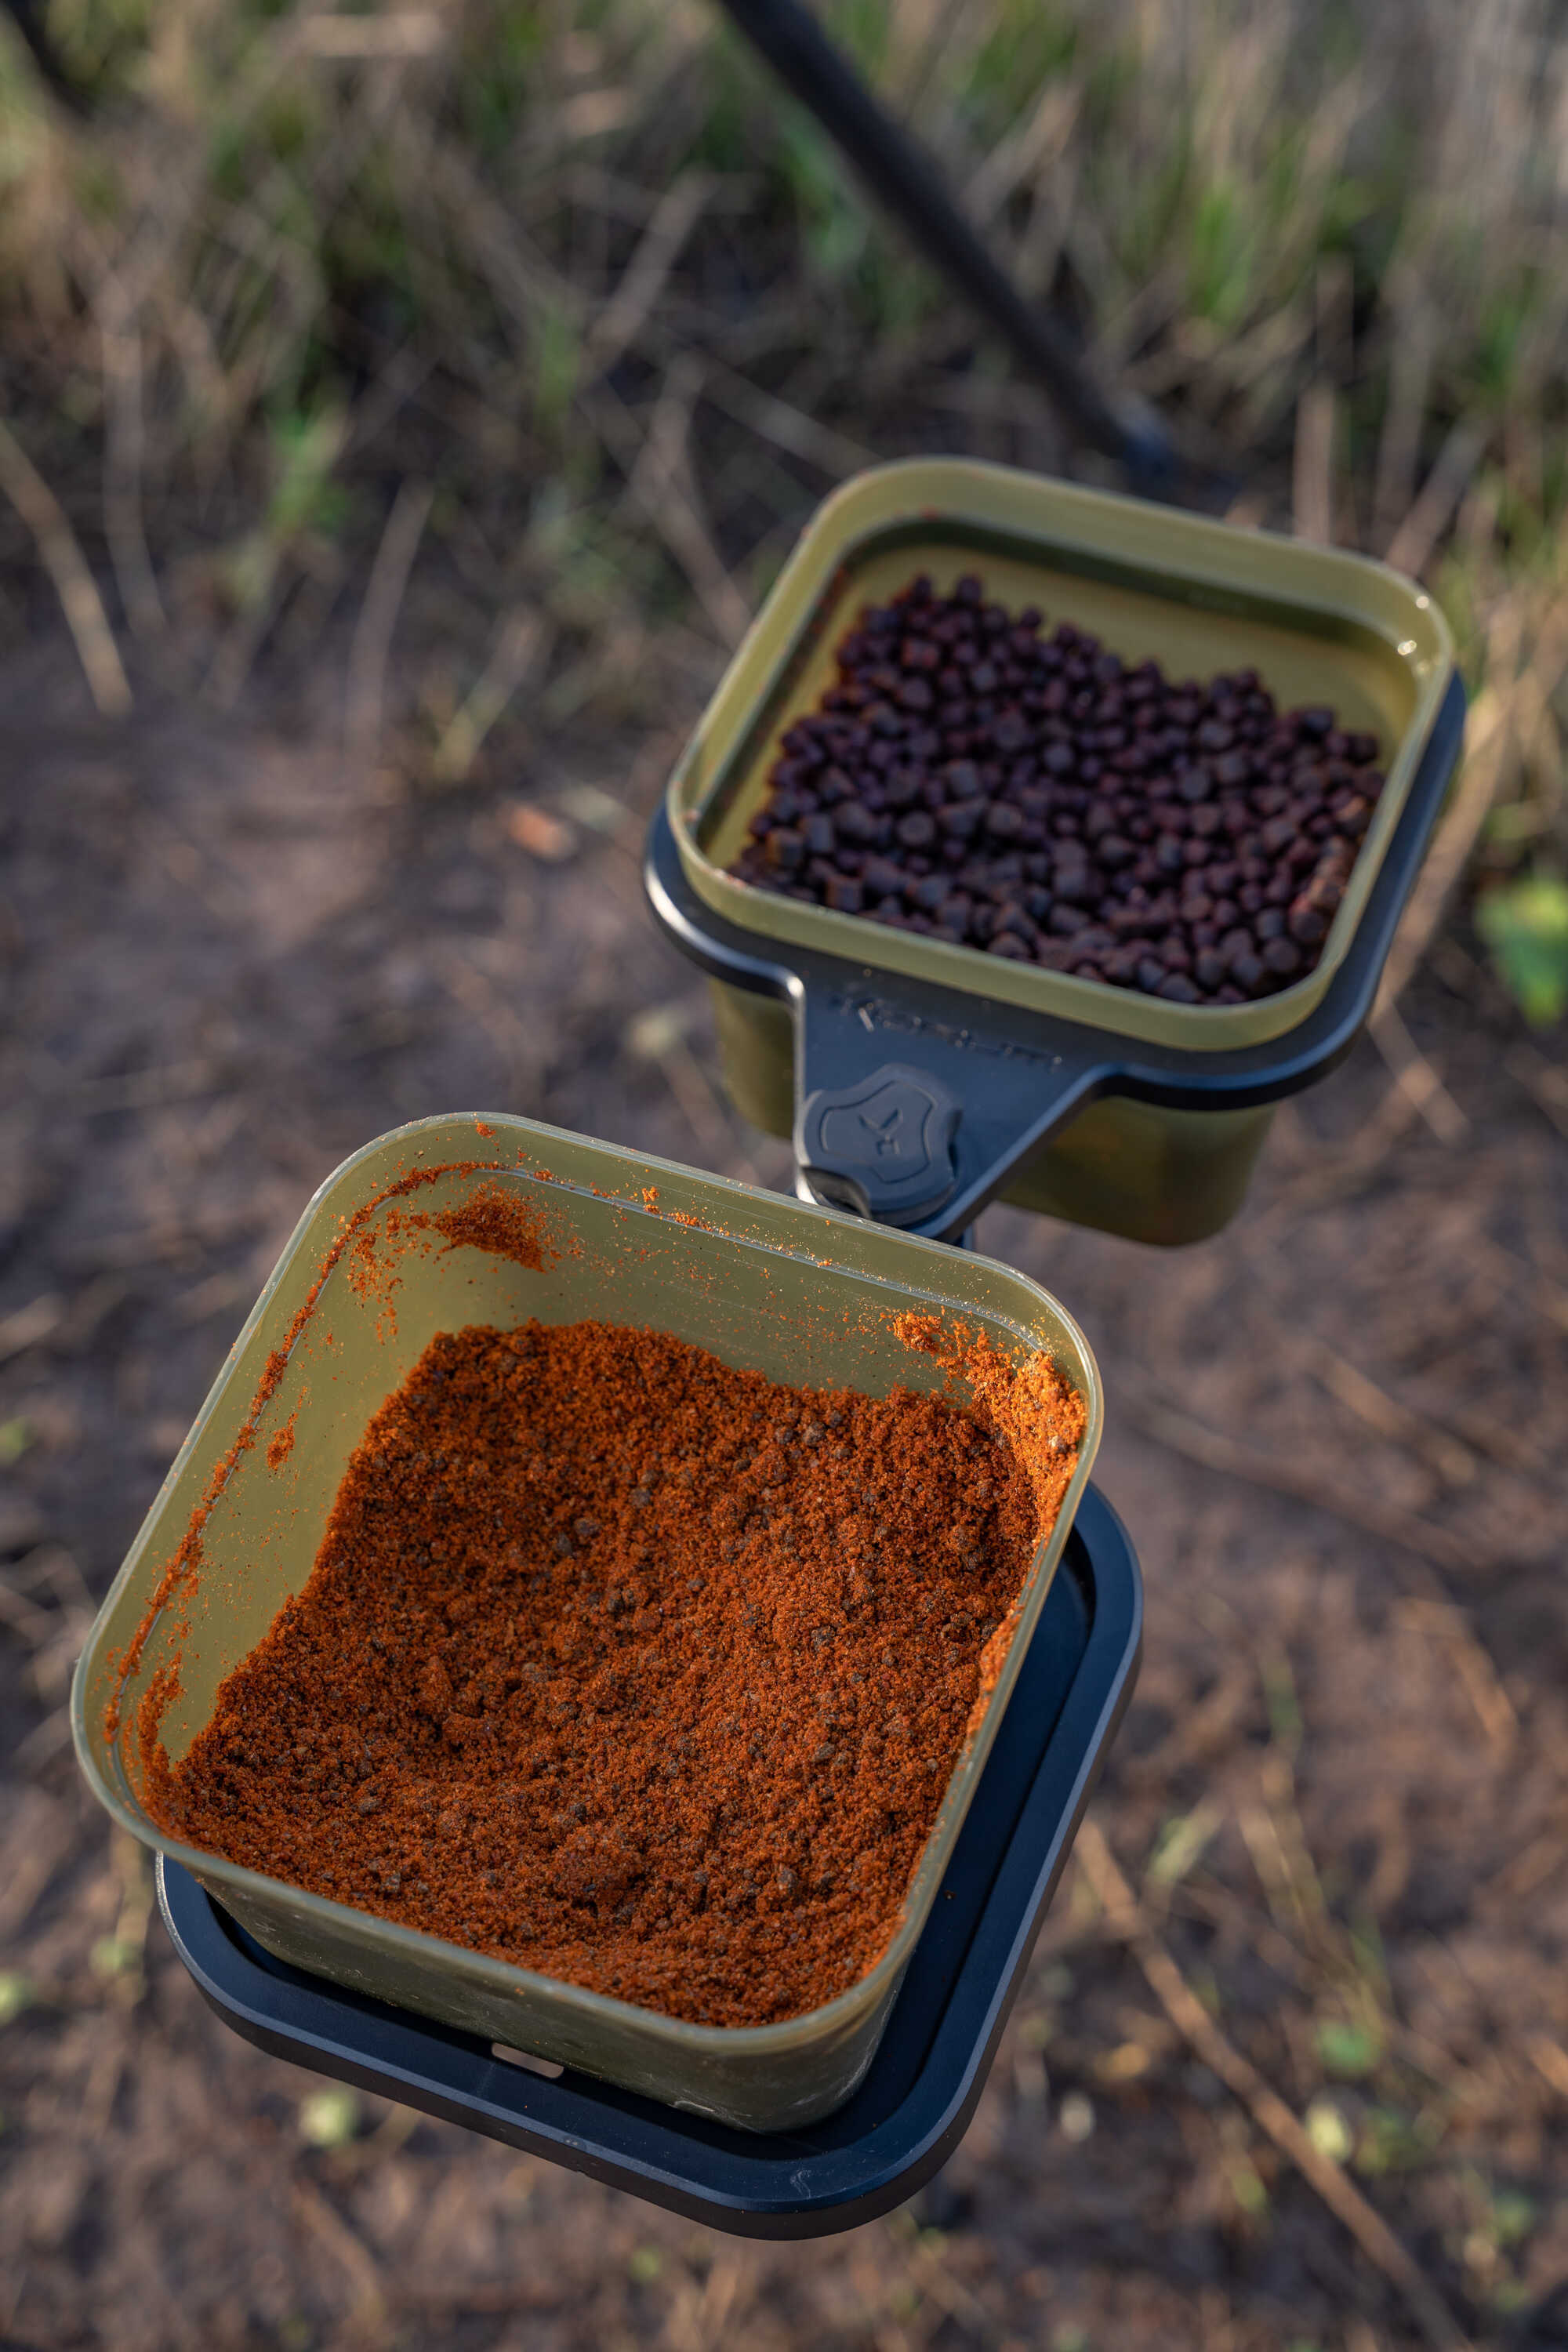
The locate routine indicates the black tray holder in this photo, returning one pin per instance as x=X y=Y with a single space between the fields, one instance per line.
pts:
x=916 y=2098
x=916 y=1103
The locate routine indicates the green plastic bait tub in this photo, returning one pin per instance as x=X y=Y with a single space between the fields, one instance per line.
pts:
x=1319 y=625
x=790 y=1291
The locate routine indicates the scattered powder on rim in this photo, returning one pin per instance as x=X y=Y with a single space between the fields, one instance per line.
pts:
x=504 y=1222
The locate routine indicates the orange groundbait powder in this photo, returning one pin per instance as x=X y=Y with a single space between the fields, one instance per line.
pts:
x=634 y=1669
x=495 y=1220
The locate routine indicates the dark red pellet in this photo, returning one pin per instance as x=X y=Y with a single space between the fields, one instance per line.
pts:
x=967 y=779
x=1180 y=990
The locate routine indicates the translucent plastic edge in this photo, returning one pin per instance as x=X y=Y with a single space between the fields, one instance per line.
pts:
x=433 y=1953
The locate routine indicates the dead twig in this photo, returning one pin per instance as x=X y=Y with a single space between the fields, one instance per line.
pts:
x=401 y=33
x=931 y=2277
x=1267 y=2109
x=124 y=447
x=1551 y=2061
x=1488 y=738
x=1312 y=494
x=659 y=1036
x=35 y=1625
x=621 y=321
x=45 y=1739
x=699 y=2316
x=1399 y=443
x=1357 y=1163
x=658 y=472
x=519 y=651
x=1486 y=1694
x=1545 y=1084
x=25 y=1326
x=1025 y=153
x=789 y=428
x=1454 y=1463
x=1414 y=1076
x=1524 y=1874
x=1437 y=502
x=66 y=566
x=1214 y=1450
x=263 y=573
x=378 y=618
x=517 y=1045
x=519 y=277
x=1511 y=710
x=368 y=2323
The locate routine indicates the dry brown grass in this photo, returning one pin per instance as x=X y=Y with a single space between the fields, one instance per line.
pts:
x=580 y=271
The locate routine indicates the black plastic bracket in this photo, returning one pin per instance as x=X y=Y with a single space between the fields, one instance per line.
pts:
x=993 y=1094
x=917 y=1103
x=881 y=1146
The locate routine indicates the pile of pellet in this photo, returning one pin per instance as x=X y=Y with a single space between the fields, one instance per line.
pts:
x=972 y=780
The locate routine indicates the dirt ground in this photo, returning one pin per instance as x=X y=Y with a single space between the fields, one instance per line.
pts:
x=1336 y=1434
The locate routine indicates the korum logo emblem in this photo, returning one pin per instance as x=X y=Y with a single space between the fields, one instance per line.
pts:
x=882 y=1147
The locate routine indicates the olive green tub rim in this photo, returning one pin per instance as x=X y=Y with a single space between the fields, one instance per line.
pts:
x=441 y=1140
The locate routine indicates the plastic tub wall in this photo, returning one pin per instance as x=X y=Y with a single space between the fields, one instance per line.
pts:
x=790 y=1291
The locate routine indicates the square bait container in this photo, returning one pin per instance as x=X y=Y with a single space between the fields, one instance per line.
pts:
x=921 y=1079
x=915 y=2101
x=792 y=1292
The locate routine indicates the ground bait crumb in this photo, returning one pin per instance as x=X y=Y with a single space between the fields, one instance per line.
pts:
x=504 y=1224
x=633 y=1668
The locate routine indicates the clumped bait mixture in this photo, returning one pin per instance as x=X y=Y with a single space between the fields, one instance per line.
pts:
x=971 y=780
x=634 y=1669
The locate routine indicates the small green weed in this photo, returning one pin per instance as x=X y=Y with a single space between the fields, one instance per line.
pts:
x=1348 y=2050
x=1525 y=925
x=330 y=2118
x=17 y=1995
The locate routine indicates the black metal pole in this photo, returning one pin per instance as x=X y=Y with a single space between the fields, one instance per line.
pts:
x=27 y=15
x=906 y=179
